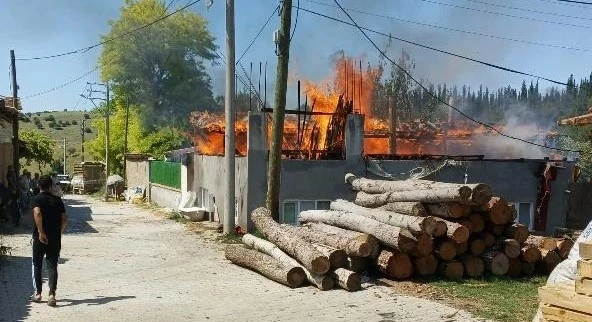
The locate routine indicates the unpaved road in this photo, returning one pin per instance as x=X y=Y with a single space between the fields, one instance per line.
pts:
x=123 y=263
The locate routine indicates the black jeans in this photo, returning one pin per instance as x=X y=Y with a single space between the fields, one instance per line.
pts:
x=51 y=252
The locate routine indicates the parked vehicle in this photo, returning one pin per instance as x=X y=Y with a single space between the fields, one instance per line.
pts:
x=64 y=182
x=88 y=177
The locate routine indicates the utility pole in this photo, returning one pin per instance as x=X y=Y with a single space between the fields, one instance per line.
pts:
x=125 y=142
x=15 y=123
x=64 y=156
x=277 y=130
x=107 y=145
x=229 y=147
x=82 y=134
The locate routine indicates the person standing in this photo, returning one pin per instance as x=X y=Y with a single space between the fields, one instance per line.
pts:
x=35 y=184
x=50 y=218
x=25 y=188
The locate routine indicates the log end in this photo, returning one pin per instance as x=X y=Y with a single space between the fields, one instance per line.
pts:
x=326 y=283
x=446 y=250
x=428 y=225
x=477 y=247
x=295 y=277
x=452 y=269
x=320 y=265
x=426 y=265
x=425 y=245
x=460 y=234
x=440 y=229
x=531 y=254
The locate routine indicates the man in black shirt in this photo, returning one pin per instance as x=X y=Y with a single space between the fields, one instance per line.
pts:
x=50 y=218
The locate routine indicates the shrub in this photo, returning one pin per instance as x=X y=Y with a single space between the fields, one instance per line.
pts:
x=87 y=130
x=74 y=122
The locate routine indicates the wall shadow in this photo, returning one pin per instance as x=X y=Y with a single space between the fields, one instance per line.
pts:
x=15 y=288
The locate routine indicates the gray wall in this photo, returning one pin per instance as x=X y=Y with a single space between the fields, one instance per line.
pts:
x=136 y=173
x=164 y=196
x=209 y=172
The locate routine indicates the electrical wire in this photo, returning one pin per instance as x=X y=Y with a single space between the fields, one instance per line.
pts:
x=527 y=10
x=390 y=36
x=258 y=34
x=85 y=49
x=55 y=88
x=454 y=29
x=295 y=22
x=439 y=99
x=506 y=14
x=574 y=1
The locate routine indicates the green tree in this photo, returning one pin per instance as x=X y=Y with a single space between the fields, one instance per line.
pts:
x=37 y=147
x=162 y=67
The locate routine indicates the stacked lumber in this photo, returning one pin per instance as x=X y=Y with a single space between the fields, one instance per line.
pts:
x=399 y=229
x=569 y=301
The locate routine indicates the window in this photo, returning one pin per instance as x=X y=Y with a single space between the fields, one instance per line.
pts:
x=525 y=213
x=292 y=208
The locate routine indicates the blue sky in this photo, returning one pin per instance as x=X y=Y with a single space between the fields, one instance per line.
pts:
x=42 y=27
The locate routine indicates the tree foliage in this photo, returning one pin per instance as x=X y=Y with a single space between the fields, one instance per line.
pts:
x=37 y=147
x=155 y=143
x=161 y=67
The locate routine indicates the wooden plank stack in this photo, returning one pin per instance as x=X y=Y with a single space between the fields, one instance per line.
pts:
x=570 y=301
x=399 y=229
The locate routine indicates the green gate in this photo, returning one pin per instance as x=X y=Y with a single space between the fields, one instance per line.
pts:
x=166 y=173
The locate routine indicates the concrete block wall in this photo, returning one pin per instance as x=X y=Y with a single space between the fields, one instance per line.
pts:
x=164 y=196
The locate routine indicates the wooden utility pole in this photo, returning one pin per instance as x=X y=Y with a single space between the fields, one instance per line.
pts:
x=229 y=147
x=15 y=122
x=392 y=126
x=64 y=168
x=125 y=142
x=277 y=130
x=107 y=145
x=82 y=134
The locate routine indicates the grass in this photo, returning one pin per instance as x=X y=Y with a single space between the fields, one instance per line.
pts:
x=231 y=238
x=502 y=299
x=71 y=133
x=177 y=217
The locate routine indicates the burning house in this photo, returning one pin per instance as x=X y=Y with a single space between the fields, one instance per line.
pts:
x=334 y=133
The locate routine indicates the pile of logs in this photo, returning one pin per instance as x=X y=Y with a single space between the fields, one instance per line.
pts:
x=400 y=229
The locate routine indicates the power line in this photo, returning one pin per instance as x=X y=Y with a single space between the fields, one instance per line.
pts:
x=55 y=88
x=528 y=10
x=574 y=1
x=506 y=14
x=390 y=36
x=85 y=49
x=439 y=99
x=258 y=34
x=296 y=22
x=454 y=29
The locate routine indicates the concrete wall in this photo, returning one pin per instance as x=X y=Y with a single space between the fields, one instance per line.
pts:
x=5 y=149
x=209 y=173
x=137 y=173
x=164 y=196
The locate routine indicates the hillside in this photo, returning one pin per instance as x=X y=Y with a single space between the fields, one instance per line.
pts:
x=68 y=125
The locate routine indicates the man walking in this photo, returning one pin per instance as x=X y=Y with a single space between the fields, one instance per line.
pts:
x=50 y=218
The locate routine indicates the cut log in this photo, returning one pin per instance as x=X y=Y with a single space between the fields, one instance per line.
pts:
x=412 y=223
x=549 y=259
x=528 y=269
x=347 y=279
x=461 y=248
x=488 y=239
x=441 y=228
x=559 y=314
x=357 y=264
x=425 y=245
x=448 y=210
x=265 y=265
x=499 y=211
x=323 y=282
x=351 y=245
x=563 y=295
x=445 y=249
x=584 y=286
x=473 y=265
x=541 y=242
x=477 y=247
x=564 y=245
x=452 y=269
x=353 y=242
x=337 y=257
x=530 y=253
x=511 y=248
x=457 y=232
x=496 y=262
x=585 y=249
x=477 y=222
x=426 y=265
x=296 y=247
x=515 y=267
x=585 y=268
x=425 y=196
x=394 y=264
x=395 y=237
x=518 y=232
x=407 y=208
x=478 y=193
